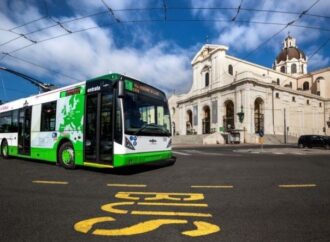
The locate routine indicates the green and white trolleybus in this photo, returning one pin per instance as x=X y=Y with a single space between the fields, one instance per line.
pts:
x=109 y=121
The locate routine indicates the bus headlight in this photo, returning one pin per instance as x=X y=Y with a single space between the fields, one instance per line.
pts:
x=128 y=144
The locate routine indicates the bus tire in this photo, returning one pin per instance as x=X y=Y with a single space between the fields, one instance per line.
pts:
x=66 y=156
x=4 y=149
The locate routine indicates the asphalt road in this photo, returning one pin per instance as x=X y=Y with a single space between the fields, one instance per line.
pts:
x=210 y=194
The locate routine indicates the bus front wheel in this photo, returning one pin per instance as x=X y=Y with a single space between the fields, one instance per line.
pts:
x=4 y=149
x=66 y=156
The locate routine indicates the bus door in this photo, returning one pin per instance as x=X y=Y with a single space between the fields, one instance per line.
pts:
x=98 y=128
x=24 y=130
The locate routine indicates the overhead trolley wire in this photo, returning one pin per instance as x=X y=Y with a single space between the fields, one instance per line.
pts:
x=165 y=10
x=305 y=12
x=112 y=11
x=319 y=48
x=291 y=23
x=42 y=67
x=170 y=20
x=238 y=10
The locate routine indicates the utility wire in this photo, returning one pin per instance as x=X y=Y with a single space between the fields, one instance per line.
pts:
x=170 y=20
x=318 y=49
x=27 y=23
x=111 y=11
x=291 y=23
x=286 y=26
x=238 y=10
x=42 y=67
x=165 y=10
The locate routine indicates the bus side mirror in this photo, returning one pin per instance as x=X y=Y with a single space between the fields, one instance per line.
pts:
x=121 y=90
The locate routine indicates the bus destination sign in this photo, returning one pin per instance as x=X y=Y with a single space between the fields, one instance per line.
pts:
x=141 y=88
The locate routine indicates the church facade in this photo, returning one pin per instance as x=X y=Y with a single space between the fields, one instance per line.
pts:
x=230 y=95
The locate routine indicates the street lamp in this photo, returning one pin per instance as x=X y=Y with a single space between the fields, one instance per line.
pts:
x=241 y=115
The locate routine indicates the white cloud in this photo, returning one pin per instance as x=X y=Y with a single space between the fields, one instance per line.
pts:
x=88 y=54
x=244 y=37
x=318 y=61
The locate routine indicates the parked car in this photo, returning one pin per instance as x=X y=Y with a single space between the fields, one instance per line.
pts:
x=314 y=141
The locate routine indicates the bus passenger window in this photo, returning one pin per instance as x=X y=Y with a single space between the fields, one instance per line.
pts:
x=48 y=116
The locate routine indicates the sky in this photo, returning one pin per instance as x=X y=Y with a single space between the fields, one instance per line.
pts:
x=63 y=42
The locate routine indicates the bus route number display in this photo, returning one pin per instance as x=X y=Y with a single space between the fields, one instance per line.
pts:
x=142 y=89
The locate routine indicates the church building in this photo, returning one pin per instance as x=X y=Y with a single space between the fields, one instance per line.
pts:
x=233 y=97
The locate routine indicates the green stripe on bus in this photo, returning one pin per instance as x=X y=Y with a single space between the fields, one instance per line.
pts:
x=140 y=158
x=46 y=154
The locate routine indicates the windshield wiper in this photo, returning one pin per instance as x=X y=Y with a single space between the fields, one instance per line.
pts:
x=144 y=126
x=151 y=126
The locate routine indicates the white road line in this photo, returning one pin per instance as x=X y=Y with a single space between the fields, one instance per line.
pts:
x=180 y=153
x=296 y=185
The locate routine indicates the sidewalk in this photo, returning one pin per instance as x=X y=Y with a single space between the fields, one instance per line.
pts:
x=284 y=151
x=231 y=145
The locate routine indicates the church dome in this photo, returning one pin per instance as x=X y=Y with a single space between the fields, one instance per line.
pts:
x=290 y=53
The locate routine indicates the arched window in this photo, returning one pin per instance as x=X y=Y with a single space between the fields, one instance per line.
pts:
x=293 y=68
x=206 y=120
x=258 y=115
x=230 y=70
x=207 y=79
x=283 y=69
x=229 y=118
x=306 y=86
x=278 y=81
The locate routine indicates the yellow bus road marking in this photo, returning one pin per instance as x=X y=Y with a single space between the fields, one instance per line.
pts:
x=160 y=213
x=216 y=186
x=111 y=208
x=174 y=204
x=106 y=226
x=95 y=165
x=154 y=196
x=297 y=185
x=86 y=226
x=51 y=182
x=126 y=185
x=203 y=228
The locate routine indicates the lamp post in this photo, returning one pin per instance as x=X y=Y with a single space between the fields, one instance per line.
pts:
x=241 y=115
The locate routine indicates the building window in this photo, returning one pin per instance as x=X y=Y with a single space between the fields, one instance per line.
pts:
x=320 y=104
x=5 y=122
x=307 y=102
x=306 y=86
x=214 y=112
x=318 y=93
x=283 y=69
x=48 y=116
x=207 y=79
x=195 y=114
x=293 y=99
x=278 y=81
x=277 y=95
x=293 y=68
x=230 y=70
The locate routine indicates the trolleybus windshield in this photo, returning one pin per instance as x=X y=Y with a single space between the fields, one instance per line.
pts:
x=146 y=112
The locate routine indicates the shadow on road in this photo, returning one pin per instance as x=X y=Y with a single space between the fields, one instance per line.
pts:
x=128 y=170
x=131 y=170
